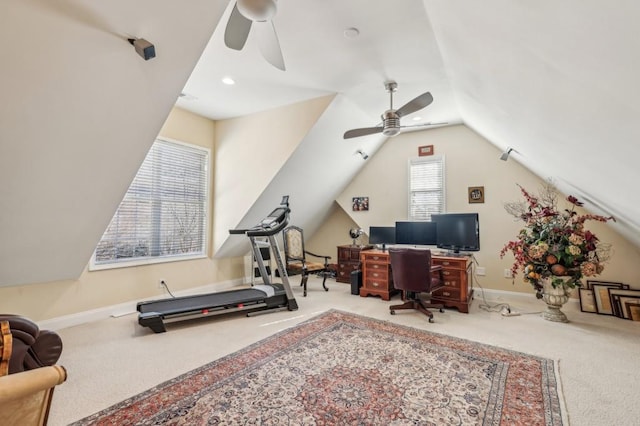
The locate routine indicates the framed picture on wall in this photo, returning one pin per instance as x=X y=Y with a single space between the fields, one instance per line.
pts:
x=476 y=194
x=360 y=204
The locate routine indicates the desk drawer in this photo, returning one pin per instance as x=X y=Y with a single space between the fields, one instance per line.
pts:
x=377 y=284
x=377 y=273
x=370 y=257
x=376 y=266
x=447 y=293
x=460 y=264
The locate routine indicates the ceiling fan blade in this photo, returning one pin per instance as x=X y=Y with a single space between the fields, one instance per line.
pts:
x=237 y=31
x=354 y=133
x=444 y=123
x=269 y=44
x=415 y=105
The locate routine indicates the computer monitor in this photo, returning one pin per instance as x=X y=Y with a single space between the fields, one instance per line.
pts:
x=416 y=233
x=458 y=231
x=382 y=235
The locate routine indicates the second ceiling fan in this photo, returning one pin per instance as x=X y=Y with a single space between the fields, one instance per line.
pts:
x=261 y=12
x=390 y=125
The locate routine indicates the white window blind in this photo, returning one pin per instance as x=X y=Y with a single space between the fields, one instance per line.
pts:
x=426 y=187
x=163 y=214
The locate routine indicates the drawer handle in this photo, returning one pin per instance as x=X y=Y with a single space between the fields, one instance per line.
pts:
x=446 y=293
x=375 y=257
x=446 y=273
x=375 y=284
x=375 y=266
x=445 y=263
x=375 y=274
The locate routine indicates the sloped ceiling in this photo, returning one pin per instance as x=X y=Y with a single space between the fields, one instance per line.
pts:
x=79 y=111
x=554 y=80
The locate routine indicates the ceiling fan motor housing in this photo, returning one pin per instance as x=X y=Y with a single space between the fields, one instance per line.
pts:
x=257 y=10
x=390 y=123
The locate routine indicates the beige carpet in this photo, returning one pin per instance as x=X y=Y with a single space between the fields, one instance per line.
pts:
x=113 y=359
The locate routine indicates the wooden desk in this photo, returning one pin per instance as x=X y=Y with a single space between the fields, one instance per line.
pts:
x=377 y=279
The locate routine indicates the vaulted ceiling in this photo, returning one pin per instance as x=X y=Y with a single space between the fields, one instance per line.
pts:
x=556 y=81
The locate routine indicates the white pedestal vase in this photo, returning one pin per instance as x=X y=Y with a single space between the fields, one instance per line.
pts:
x=555 y=298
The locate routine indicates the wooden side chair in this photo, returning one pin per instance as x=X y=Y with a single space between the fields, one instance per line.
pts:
x=414 y=274
x=296 y=258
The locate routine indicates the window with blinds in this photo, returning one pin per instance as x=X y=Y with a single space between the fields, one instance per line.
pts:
x=426 y=187
x=163 y=214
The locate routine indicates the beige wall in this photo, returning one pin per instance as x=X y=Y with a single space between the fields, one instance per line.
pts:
x=470 y=160
x=93 y=290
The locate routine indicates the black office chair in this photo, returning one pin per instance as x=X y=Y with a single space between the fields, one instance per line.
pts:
x=296 y=258
x=414 y=274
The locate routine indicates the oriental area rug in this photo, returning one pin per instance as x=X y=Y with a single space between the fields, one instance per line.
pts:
x=344 y=369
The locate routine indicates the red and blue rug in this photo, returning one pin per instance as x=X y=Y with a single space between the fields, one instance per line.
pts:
x=345 y=369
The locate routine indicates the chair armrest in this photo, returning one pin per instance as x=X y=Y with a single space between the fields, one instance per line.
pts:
x=318 y=255
x=25 y=383
x=25 y=397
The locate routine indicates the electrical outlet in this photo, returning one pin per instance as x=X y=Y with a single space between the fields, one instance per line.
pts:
x=481 y=270
x=507 y=273
x=161 y=284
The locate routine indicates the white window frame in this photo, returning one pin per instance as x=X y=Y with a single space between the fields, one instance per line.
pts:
x=442 y=187
x=97 y=266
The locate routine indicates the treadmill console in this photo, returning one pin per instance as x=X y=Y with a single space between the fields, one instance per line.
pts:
x=275 y=217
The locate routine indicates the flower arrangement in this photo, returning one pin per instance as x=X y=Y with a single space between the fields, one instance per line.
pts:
x=554 y=243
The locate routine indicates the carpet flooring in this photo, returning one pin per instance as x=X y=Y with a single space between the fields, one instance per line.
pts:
x=342 y=368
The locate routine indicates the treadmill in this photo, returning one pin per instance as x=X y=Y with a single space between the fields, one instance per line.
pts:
x=258 y=299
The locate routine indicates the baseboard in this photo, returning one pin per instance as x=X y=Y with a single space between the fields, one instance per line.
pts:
x=501 y=295
x=128 y=308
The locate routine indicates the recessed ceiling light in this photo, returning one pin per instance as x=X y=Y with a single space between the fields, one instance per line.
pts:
x=351 y=32
x=228 y=81
x=417 y=118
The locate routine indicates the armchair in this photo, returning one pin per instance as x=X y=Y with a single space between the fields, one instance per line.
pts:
x=32 y=347
x=296 y=258
x=414 y=274
x=25 y=397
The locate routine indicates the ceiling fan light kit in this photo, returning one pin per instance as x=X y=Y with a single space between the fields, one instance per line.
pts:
x=391 y=118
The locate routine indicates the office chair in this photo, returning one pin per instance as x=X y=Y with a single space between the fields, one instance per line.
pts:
x=414 y=274
x=296 y=258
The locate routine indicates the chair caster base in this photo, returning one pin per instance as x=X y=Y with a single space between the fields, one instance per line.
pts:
x=441 y=310
x=393 y=312
x=431 y=320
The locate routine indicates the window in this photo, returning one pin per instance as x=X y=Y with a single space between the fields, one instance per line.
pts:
x=426 y=187
x=163 y=216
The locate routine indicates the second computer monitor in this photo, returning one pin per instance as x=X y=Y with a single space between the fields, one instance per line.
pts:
x=416 y=233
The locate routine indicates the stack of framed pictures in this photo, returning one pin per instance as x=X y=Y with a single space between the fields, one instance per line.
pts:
x=610 y=298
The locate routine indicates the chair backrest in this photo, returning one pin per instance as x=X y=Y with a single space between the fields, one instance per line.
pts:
x=32 y=347
x=293 y=243
x=411 y=269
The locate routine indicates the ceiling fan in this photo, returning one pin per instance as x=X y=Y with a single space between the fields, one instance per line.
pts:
x=390 y=125
x=261 y=12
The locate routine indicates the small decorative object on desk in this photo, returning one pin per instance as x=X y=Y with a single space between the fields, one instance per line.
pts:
x=554 y=250
x=355 y=233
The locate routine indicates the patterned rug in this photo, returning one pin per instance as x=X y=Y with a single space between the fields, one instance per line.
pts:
x=344 y=369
